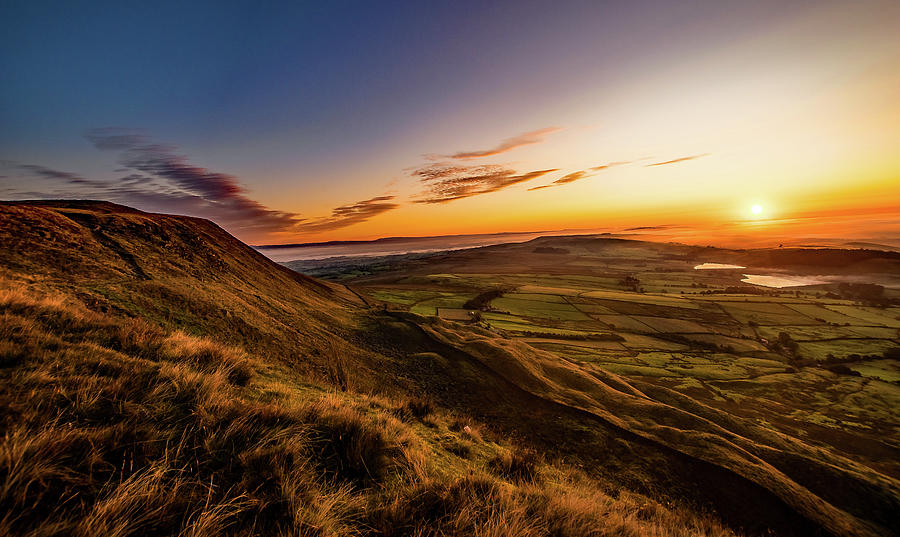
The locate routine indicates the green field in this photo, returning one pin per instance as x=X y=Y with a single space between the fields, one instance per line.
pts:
x=764 y=354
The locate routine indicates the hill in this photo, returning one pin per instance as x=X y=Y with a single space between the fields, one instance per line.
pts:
x=160 y=378
x=692 y=339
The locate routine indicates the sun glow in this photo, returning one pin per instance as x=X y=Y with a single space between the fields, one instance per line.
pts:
x=756 y=210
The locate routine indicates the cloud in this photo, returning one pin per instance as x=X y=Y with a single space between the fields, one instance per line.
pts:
x=527 y=138
x=188 y=188
x=347 y=215
x=135 y=179
x=576 y=176
x=161 y=180
x=648 y=228
x=68 y=178
x=610 y=165
x=677 y=160
x=138 y=153
x=449 y=182
x=572 y=177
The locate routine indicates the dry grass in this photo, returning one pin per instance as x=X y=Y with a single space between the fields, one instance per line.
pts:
x=116 y=427
x=208 y=356
x=479 y=504
x=520 y=465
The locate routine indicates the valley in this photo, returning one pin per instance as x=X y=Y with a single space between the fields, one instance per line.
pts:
x=819 y=363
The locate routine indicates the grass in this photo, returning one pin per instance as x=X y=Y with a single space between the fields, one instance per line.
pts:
x=730 y=343
x=118 y=427
x=663 y=324
x=706 y=348
x=886 y=370
x=801 y=333
x=641 y=298
x=649 y=343
x=880 y=317
x=550 y=291
x=403 y=297
x=687 y=366
x=523 y=306
x=817 y=311
x=160 y=378
x=623 y=322
x=518 y=324
x=766 y=313
x=843 y=348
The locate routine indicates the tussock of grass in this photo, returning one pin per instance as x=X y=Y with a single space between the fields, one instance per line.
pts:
x=479 y=504
x=118 y=427
x=417 y=407
x=207 y=355
x=517 y=465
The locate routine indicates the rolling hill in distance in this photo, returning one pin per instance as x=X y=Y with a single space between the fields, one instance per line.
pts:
x=163 y=378
x=402 y=245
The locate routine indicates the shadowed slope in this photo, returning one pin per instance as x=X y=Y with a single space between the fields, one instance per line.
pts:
x=793 y=471
x=182 y=272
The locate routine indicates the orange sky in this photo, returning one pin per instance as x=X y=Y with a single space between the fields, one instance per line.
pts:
x=385 y=123
x=801 y=117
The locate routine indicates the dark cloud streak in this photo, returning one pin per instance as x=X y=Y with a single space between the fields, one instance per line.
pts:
x=140 y=154
x=202 y=190
x=44 y=172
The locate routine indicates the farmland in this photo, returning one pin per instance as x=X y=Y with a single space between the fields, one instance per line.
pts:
x=807 y=361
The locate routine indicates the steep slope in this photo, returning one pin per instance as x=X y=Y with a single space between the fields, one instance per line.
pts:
x=179 y=272
x=145 y=351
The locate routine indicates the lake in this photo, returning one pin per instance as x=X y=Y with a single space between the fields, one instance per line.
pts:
x=717 y=266
x=783 y=280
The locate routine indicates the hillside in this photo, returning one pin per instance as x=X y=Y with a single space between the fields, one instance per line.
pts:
x=701 y=341
x=161 y=378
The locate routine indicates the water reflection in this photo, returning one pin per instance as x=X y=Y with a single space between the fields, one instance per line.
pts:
x=782 y=281
x=713 y=266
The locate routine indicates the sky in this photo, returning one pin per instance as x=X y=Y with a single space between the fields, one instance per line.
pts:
x=288 y=122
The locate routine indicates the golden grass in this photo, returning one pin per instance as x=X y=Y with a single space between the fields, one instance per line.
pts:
x=117 y=427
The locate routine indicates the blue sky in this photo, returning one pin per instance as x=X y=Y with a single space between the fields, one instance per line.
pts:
x=325 y=112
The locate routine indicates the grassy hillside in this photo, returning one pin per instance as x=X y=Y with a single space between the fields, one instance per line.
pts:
x=117 y=427
x=702 y=348
x=161 y=378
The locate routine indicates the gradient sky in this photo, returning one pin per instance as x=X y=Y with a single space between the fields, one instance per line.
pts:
x=296 y=122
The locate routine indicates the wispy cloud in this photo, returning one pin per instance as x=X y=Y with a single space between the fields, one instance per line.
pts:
x=188 y=187
x=158 y=178
x=648 y=228
x=35 y=170
x=677 y=160
x=527 y=138
x=347 y=215
x=449 y=182
x=138 y=153
x=576 y=176
x=610 y=165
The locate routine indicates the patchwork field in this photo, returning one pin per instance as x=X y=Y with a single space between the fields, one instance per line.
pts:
x=805 y=361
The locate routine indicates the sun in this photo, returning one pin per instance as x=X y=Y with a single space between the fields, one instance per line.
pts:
x=756 y=210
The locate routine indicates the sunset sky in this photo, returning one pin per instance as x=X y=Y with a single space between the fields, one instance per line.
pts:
x=315 y=121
